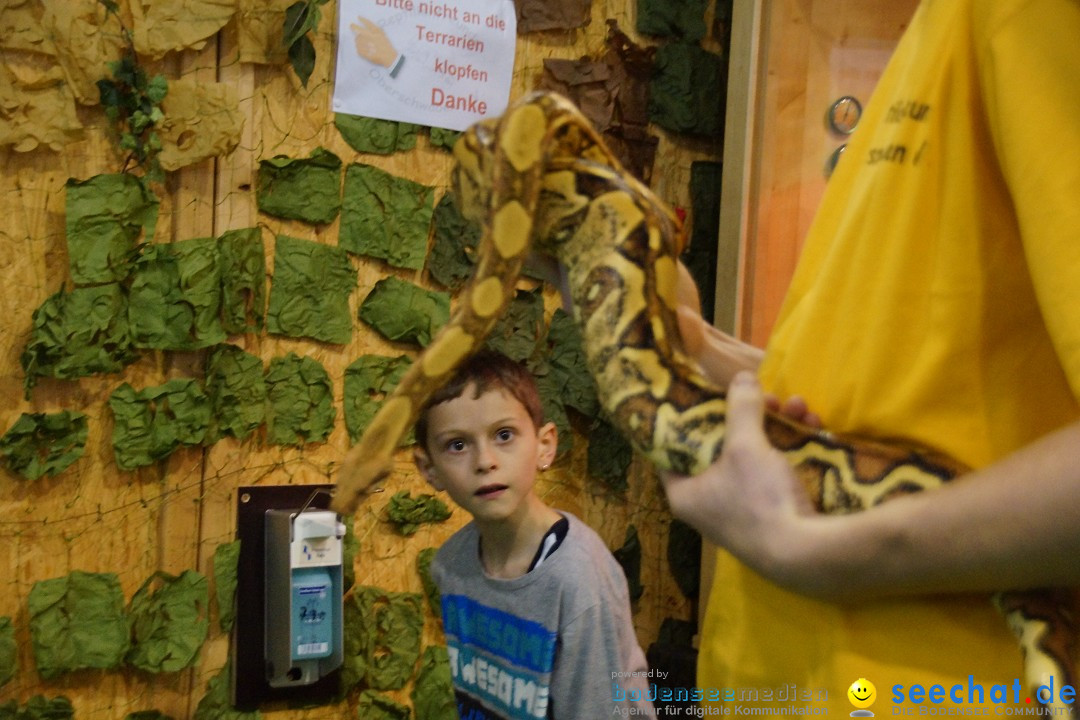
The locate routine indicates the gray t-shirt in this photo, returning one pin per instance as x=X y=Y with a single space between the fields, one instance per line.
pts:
x=557 y=642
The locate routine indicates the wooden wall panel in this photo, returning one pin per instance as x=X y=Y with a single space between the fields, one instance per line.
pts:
x=172 y=516
x=91 y=517
x=809 y=53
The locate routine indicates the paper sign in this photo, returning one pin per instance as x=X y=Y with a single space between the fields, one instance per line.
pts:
x=443 y=63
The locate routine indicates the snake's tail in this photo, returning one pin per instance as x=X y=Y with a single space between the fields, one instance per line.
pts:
x=1044 y=626
x=371 y=459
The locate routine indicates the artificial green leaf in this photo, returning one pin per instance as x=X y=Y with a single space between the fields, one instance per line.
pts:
x=147 y=715
x=217 y=703
x=243 y=280
x=385 y=216
x=547 y=385
x=38 y=708
x=78 y=334
x=105 y=217
x=520 y=326
x=169 y=621
x=77 y=621
x=453 y=254
x=373 y=135
x=357 y=636
x=672 y=18
x=198 y=261
x=700 y=256
x=684 y=557
x=150 y=424
x=131 y=102
x=157 y=313
x=237 y=392
x=409 y=513
x=309 y=295
x=299 y=21
x=402 y=311
x=687 y=92
x=431 y=590
x=433 y=693
x=9 y=651
x=568 y=366
x=157 y=89
x=368 y=380
x=382 y=638
x=109 y=97
x=609 y=455
x=44 y=443
x=175 y=297
x=307 y=189
x=443 y=138
x=676 y=631
x=302 y=59
x=373 y=705
x=629 y=557
x=226 y=560
x=301 y=401
x=350 y=547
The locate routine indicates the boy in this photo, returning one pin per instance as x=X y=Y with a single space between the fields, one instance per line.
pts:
x=535 y=609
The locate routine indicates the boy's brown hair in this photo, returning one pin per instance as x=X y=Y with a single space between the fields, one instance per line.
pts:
x=488 y=370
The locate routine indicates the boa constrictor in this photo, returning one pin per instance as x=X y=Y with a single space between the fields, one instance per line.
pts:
x=540 y=178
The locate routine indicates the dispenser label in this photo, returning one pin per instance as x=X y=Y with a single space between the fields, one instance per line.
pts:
x=312 y=621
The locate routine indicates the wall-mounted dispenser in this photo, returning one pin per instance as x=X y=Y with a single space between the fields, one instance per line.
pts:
x=287 y=636
x=303 y=596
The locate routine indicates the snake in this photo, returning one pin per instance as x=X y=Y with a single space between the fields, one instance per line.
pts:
x=539 y=178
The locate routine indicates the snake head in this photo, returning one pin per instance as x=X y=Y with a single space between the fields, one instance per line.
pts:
x=471 y=178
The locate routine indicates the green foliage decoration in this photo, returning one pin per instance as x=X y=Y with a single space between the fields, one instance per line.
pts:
x=9 y=651
x=409 y=513
x=169 y=621
x=132 y=102
x=38 y=708
x=301 y=18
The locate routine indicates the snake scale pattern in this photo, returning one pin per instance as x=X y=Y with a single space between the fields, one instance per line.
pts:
x=540 y=178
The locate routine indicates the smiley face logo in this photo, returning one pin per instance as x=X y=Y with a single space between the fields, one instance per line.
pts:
x=862 y=693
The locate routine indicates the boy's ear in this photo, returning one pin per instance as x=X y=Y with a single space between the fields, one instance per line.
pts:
x=548 y=444
x=426 y=467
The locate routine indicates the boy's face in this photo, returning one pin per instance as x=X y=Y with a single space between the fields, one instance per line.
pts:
x=484 y=451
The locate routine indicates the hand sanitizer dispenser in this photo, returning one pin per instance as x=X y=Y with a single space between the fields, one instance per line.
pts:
x=303 y=596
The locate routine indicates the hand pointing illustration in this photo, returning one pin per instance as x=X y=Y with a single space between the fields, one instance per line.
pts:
x=372 y=43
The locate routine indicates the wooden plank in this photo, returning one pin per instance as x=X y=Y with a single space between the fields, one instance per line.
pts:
x=812 y=52
x=737 y=187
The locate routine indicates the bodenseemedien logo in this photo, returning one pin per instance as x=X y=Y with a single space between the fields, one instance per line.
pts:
x=862 y=694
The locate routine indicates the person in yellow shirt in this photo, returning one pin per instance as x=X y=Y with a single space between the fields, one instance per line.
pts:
x=937 y=300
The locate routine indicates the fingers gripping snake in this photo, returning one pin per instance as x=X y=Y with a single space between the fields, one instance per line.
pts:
x=540 y=178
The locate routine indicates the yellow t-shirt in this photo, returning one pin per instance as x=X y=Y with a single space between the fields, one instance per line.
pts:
x=937 y=299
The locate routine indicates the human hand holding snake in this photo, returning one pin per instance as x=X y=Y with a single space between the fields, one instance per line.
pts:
x=750 y=501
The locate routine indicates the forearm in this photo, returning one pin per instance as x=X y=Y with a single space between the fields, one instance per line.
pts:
x=720 y=355
x=1011 y=525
